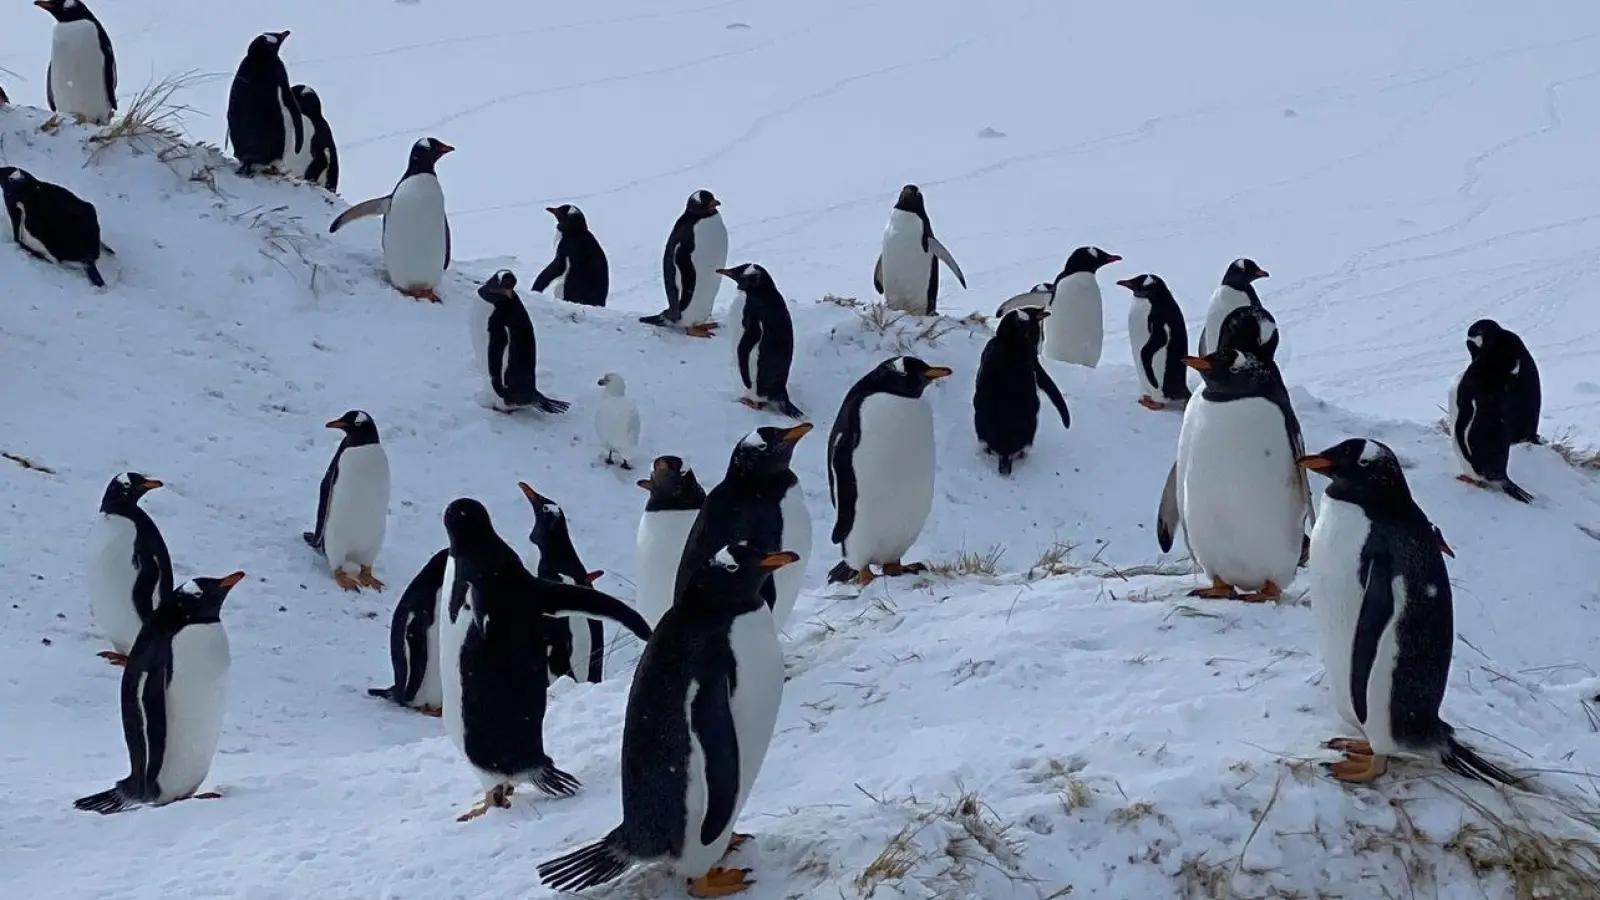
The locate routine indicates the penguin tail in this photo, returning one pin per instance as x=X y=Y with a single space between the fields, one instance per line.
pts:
x=106 y=249
x=1464 y=761
x=841 y=573
x=552 y=780
x=587 y=867
x=1515 y=491
x=312 y=540
x=105 y=803
x=657 y=319
x=1005 y=464
x=784 y=407
x=387 y=693
x=94 y=275
x=547 y=405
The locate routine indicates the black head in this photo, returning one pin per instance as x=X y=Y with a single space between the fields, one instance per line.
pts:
x=126 y=490
x=15 y=182
x=766 y=450
x=1023 y=326
x=1087 y=259
x=568 y=217
x=702 y=205
x=548 y=517
x=200 y=599
x=1233 y=373
x=672 y=485
x=500 y=287
x=750 y=277
x=466 y=523
x=1487 y=335
x=310 y=103
x=1363 y=471
x=1250 y=328
x=735 y=573
x=904 y=376
x=358 y=428
x=267 y=45
x=1147 y=287
x=1242 y=272
x=65 y=10
x=911 y=201
x=426 y=153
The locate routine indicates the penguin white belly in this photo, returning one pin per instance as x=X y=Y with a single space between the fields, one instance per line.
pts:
x=358 y=511
x=735 y=335
x=907 y=268
x=1336 y=593
x=295 y=160
x=195 y=700
x=1224 y=300
x=1450 y=422
x=893 y=465
x=1075 y=330
x=1138 y=336
x=414 y=233
x=429 y=692
x=657 y=552
x=796 y=536
x=111 y=579
x=77 y=71
x=451 y=637
x=710 y=254
x=26 y=237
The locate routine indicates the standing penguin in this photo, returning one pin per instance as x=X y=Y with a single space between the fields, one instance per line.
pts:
x=701 y=714
x=323 y=165
x=82 y=79
x=616 y=421
x=416 y=231
x=173 y=692
x=764 y=348
x=1075 y=332
x=1160 y=341
x=1383 y=605
x=510 y=350
x=759 y=500
x=414 y=642
x=575 y=647
x=880 y=468
x=1524 y=396
x=52 y=223
x=1005 y=402
x=493 y=666
x=264 y=121
x=130 y=571
x=579 y=272
x=696 y=249
x=907 y=273
x=1480 y=419
x=353 y=504
x=1237 y=289
x=669 y=514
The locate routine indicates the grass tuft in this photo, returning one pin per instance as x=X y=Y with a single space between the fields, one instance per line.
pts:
x=986 y=564
x=904 y=331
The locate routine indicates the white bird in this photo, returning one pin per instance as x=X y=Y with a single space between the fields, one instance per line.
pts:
x=616 y=421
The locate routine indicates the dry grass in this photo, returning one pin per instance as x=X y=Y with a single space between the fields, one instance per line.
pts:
x=284 y=236
x=1053 y=561
x=27 y=463
x=1578 y=456
x=904 y=331
x=942 y=848
x=986 y=564
x=153 y=121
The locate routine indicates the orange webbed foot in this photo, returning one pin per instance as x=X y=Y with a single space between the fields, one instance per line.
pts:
x=720 y=882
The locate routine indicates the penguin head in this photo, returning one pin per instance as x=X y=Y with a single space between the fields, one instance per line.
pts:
x=905 y=376
x=358 y=428
x=1146 y=286
x=1232 y=372
x=568 y=217
x=766 y=450
x=65 y=10
x=911 y=201
x=748 y=276
x=548 y=517
x=1087 y=259
x=1241 y=272
x=613 y=383
x=1249 y=328
x=671 y=480
x=267 y=45
x=502 y=285
x=737 y=570
x=1023 y=325
x=702 y=205
x=126 y=490
x=310 y=103
x=1486 y=334
x=425 y=153
x=466 y=522
x=200 y=599
x=15 y=182
x=1361 y=467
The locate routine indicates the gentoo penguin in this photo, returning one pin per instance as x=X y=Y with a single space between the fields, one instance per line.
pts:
x=1251 y=329
x=416 y=231
x=510 y=350
x=579 y=273
x=1235 y=487
x=1075 y=331
x=669 y=514
x=616 y=421
x=880 y=468
x=82 y=79
x=1525 y=396
x=353 y=504
x=764 y=348
x=1480 y=419
x=1038 y=295
x=1237 y=289
x=264 y=121
x=701 y=714
x=907 y=273
x=130 y=571
x=493 y=668
x=173 y=692
x=1382 y=600
x=52 y=223
x=323 y=166
x=575 y=647
x=759 y=500
x=1160 y=341
x=696 y=249
x=414 y=641
x=1005 y=402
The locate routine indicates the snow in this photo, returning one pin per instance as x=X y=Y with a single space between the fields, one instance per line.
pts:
x=1110 y=734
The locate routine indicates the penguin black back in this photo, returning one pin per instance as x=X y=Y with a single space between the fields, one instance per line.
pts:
x=672 y=486
x=408 y=630
x=1524 y=394
x=579 y=261
x=1482 y=424
x=52 y=223
x=766 y=338
x=324 y=167
x=513 y=349
x=1005 y=400
x=257 y=102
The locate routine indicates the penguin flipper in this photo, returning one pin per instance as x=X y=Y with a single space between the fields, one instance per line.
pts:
x=570 y=601
x=551 y=272
x=324 y=494
x=749 y=339
x=1147 y=355
x=144 y=711
x=49 y=87
x=945 y=257
x=366 y=209
x=111 y=64
x=587 y=867
x=841 y=474
x=1048 y=385
x=877 y=275
x=711 y=725
x=447 y=243
x=1377 y=612
x=1167 y=518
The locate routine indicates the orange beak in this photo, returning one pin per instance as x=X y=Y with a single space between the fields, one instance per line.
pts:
x=337 y=423
x=644 y=483
x=231 y=580
x=150 y=484
x=1197 y=363
x=532 y=495
x=797 y=432
x=775 y=561
x=935 y=373
x=1314 y=462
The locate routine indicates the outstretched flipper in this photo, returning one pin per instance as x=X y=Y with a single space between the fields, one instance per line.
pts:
x=1048 y=385
x=377 y=206
x=945 y=257
x=1167 y=517
x=569 y=601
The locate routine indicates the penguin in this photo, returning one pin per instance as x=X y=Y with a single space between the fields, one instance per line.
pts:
x=1524 y=399
x=52 y=223
x=1160 y=341
x=3 y=98
x=759 y=500
x=414 y=642
x=130 y=570
x=1237 y=289
x=1075 y=331
x=696 y=249
x=1480 y=419
x=764 y=349
x=616 y=421
x=1005 y=401
x=264 y=121
x=173 y=693
x=511 y=350
x=1251 y=329
x=353 y=504
x=880 y=469
x=1235 y=487
x=416 y=231
x=669 y=513
x=1383 y=605
x=493 y=667
x=574 y=647
x=323 y=166
x=907 y=273
x=1038 y=295
x=701 y=713
x=82 y=78
x=579 y=273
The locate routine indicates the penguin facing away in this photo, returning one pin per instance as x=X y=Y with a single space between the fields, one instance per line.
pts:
x=1480 y=420
x=353 y=504
x=579 y=272
x=130 y=570
x=1160 y=341
x=1251 y=329
x=696 y=248
x=323 y=166
x=701 y=713
x=52 y=223
x=880 y=469
x=1005 y=400
x=1525 y=396
x=907 y=272
x=82 y=78
x=669 y=513
x=416 y=231
x=511 y=349
x=1237 y=289
x=1383 y=605
x=616 y=421
x=764 y=350
x=265 y=126
x=414 y=642
x=575 y=648
x=173 y=693
x=1075 y=332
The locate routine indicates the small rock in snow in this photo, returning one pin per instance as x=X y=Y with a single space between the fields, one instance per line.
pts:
x=987 y=132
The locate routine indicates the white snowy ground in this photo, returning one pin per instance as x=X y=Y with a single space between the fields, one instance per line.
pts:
x=1108 y=734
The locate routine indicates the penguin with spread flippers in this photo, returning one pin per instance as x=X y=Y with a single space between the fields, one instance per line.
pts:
x=82 y=78
x=1160 y=341
x=265 y=125
x=764 y=345
x=1523 y=395
x=130 y=570
x=322 y=167
x=1075 y=332
x=416 y=231
x=907 y=273
x=353 y=504
x=669 y=513
x=579 y=273
x=414 y=641
x=510 y=348
x=1237 y=289
x=1005 y=402
x=52 y=223
x=1480 y=418
x=696 y=248
x=575 y=647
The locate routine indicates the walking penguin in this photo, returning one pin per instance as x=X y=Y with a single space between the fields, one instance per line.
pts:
x=130 y=571
x=1005 y=404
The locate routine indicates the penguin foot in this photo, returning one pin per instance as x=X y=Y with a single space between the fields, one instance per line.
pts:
x=894 y=569
x=208 y=795
x=747 y=401
x=1219 y=590
x=346 y=581
x=367 y=579
x=1269 y=593
x=1356 y=768
x=113 y=657
x=702 y=330
x=1149 y=402
x=1468 y=479
x=720 y=882
x=734 y=843
x=498 y=796
x=625 y=465
x=421 y=293
x=434 y=711
x=840 y=573
x=1355 y=746
x=865 y=576
x=51 y=125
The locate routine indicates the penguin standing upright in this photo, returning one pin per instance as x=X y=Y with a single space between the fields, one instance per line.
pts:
x=701 y=713
x=696 y=249
x=414 y=641
x=764 y=348
x=353 y=504
x=579 y=273
x=616 y=421
x=493 y=666
x=669 y=514
x=130 y=571
x=52 y=223
x=576 y=648
x=173 y=692
x=510 y=349
x=1160 y=341
x=264 y=121
x=1383 y=605
x=1005 y=402
x=82 y=79
x=1075 y=331
x=1524 y=395
x=1237 y=289
x=907 y=273
x=416 y=231
x=322 y=164
x=1480 y=419
x=880 y=468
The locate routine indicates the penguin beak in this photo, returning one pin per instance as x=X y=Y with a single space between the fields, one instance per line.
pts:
x=231 y=580
x=935 y=373
x=662 y=465
x=772 y=562
x=1445 y=548
x=601 y=382
x=150 y=484
x=553 y=210
x=282 y=36
x=1111 y=258
x=725 y=272
x=1261 y=273
x=715 y=203
x=644 y=483
x=337 y=423
x=44 y=4
x=443 y=148
x=594 y=576
x=530 y=493
x=1314 y=462
x=1197 y=363
x=796 y=433
x=1128 y=282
